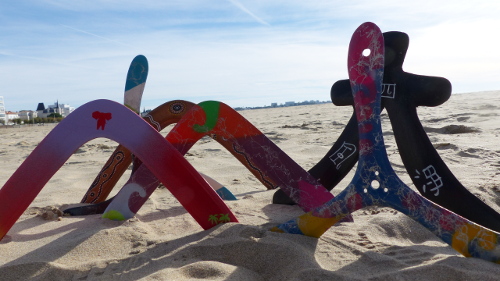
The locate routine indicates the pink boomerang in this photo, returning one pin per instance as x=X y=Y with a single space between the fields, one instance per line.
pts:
x=103 y=118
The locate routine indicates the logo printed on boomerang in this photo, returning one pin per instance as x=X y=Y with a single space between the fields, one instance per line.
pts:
x=101 y=118
x=435 y=180
x=388 y=91
x=344 y=152
x=218 y=218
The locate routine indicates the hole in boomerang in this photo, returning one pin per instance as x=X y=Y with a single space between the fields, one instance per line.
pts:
x=375 y=184
x=366 y=52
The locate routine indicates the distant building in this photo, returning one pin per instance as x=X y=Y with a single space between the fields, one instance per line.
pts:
x=11 y=116
x=3 y=117
x=65 y=109
x=274 y=104
x=27 y=115
x=57 y=107
x=145 y=112
x=289 y=103
x=40 y=106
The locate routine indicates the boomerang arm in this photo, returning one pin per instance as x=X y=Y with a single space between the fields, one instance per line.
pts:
x=448 y=192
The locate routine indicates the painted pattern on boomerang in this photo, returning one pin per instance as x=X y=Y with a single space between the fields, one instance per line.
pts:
x=263 y=158
x=136 y=81
x=116 y=122
x=121 y=158
x=375 y=182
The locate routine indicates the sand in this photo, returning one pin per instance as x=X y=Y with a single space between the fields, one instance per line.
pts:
x=163 y=242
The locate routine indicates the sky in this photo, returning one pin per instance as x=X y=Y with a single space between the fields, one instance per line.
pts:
x=241 y=52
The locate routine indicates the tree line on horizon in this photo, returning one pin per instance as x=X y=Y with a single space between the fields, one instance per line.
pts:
x=52 y=118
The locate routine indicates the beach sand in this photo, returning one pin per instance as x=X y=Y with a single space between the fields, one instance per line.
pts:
x=163 y=242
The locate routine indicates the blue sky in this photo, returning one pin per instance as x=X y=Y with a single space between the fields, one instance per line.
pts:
x=242 y=52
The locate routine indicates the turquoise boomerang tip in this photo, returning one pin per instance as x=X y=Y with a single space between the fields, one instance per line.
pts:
x=225 y=194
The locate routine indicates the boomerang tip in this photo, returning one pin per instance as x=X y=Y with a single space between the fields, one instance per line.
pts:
x=225 y=194
x=308 y=225
x=114 y=215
